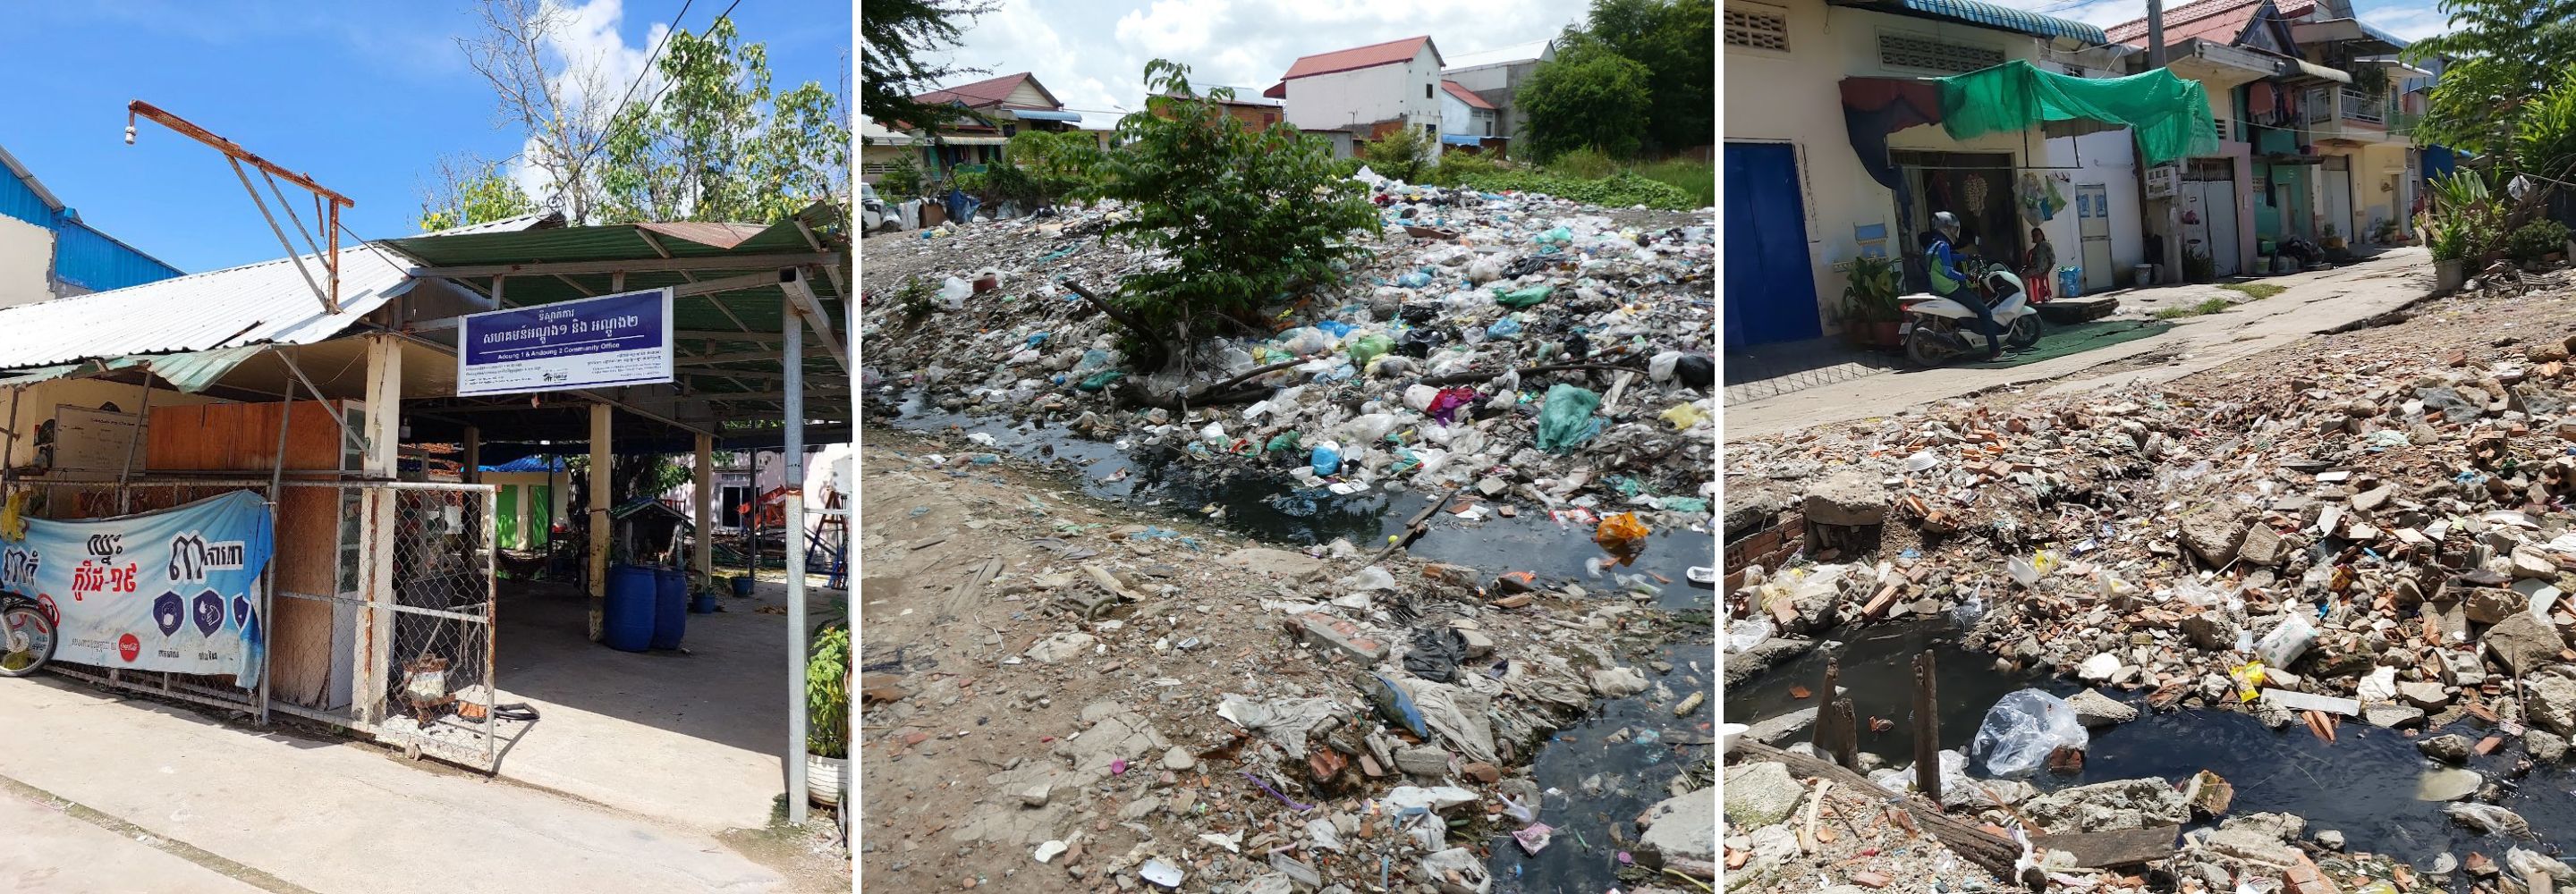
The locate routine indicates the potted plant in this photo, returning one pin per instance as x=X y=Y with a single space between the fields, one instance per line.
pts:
x=2451 y=240
x=1870 y=299
x=827 y=714
x=2329 y=238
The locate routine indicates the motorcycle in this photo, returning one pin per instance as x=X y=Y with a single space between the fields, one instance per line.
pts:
x=26 y=636
x=1937 y=329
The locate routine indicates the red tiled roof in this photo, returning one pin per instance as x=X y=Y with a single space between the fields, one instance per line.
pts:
x=1472 y=100
x=990 y=91
x=2216 y=20
x=1389 y=53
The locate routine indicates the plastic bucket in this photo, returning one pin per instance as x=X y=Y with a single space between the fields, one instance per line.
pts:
x=742 y=585
x=627 y=622
x=703 y=604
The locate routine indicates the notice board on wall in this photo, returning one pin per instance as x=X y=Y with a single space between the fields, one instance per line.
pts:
x=93 y=440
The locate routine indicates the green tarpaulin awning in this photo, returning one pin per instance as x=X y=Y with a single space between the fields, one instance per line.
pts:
x=2170 y=115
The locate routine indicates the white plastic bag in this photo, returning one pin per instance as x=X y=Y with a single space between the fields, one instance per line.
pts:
x=1968 y=613
x=1660 y=367
x=2283 y=646
x=953 y=292
x=2022 y=728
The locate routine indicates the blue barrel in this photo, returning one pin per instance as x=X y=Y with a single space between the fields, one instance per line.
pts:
x=628 y=625
x=670 y=607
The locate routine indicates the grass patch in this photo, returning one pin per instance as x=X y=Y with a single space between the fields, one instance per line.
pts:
x=1618 y=191
x=2256 y=291
x=1697 y=178
x=2210 y=306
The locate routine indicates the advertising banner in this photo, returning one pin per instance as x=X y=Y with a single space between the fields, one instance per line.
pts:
x=599 y=342
x=174 y=590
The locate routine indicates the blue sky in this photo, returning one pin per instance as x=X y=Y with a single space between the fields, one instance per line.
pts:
x=363 y=95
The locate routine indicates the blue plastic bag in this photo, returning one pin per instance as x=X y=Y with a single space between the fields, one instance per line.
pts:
x=1334 y=328
x=1326 y=459
x=1398 y=707
x=1504 y=328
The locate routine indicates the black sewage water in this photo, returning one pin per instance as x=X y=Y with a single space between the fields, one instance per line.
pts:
x=2362 y=784
x=1590 y=784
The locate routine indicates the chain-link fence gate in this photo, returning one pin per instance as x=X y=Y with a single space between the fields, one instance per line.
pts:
x=438 y=690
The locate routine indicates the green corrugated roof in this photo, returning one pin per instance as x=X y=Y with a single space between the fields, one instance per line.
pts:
x=759 y=308
x=2007 y=18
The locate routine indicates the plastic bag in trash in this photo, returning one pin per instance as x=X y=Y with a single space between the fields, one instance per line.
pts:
x=2283 y=646
x=1327 y=459
x=2022 y=728
x=1683 y=416
x=1696 y=370
x=1504 y=328
x=1519 y=298
x=1457 y=871
x=1369 y=347
x=1660 y=368
x=1565 y=418
x=1746 y=633
x=2487 y=819
x=1622 y=535
x=1419 y=397
x=1970 y=612
x=953 y=292
x=1443 y=407
x=1394 y=704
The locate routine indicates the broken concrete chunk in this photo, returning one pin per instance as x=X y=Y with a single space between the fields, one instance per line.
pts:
x=1850 y=498
x=2093 y=709
x=1061 y=647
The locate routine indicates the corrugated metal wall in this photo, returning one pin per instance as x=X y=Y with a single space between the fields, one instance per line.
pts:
x=85 y=260
x=90 y=260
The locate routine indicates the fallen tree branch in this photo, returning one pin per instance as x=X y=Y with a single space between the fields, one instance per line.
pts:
x=1994 y=854
x=1466 y=377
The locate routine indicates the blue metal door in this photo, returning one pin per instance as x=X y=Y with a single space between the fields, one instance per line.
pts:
x=1770 y=285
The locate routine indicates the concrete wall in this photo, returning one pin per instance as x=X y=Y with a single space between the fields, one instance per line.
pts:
x=26 y=262
x=1367 y=95
x=1500 y=84
x=1795 y=98
x=1457 y=117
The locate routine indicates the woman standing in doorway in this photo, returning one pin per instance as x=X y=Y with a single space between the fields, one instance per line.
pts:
x=2038 y=265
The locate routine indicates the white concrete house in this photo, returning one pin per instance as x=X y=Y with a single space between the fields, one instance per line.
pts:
x=1370 y=90
x=1497 y=75
x=1464 y=116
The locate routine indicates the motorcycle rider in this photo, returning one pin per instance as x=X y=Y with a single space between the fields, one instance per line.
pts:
x=1942 y=260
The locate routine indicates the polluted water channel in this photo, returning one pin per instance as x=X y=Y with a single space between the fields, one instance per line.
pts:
x=2364 y=784
x=1594 y=776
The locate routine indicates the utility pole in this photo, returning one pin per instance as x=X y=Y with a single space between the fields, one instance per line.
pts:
x=2155 y=34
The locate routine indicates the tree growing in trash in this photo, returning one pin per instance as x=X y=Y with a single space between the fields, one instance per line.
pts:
x=1244 y=217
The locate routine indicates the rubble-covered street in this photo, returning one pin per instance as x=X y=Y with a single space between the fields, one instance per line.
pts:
x=2334 y=577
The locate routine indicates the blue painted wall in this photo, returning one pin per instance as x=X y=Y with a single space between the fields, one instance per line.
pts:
x=83 y=257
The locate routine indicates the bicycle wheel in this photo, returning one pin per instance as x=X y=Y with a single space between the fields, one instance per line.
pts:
x=26 y=641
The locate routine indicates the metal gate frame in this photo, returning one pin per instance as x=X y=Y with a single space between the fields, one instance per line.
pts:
x=456 y=606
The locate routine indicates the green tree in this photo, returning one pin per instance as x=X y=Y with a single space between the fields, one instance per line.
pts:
x=1676 y=41
x=896 y=39
x=901 y=181
x=1244 y=216
x=470 y=190
x=1402 y=155
x=1056 y=163
x=1590 y=97
x=716 y=144
x=2497 y=55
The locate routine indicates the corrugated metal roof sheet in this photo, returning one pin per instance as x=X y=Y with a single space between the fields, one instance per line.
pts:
x=263 y=302
x=1389 y=53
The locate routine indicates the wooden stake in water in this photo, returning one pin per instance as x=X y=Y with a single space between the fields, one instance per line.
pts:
x=1927 y=730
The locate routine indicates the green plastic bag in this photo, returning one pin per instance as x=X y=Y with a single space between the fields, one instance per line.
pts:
x=1524 y=297
x=1370 y=347
x=1101 y=379
x=1287 y=440
x=1565 y=419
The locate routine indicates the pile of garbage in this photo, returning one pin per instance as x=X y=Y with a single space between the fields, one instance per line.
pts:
x=1529 y=348
x=2378 y=530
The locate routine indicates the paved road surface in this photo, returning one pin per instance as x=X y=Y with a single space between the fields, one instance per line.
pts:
x=2315 y=302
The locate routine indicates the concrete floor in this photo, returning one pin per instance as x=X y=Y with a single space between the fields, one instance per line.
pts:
x=315 y=815
x=45 y=851
x=693 y=738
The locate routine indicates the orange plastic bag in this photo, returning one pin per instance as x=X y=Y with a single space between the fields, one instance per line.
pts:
x=1622 y=535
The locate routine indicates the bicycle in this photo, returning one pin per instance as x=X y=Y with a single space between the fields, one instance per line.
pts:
x=26 y=636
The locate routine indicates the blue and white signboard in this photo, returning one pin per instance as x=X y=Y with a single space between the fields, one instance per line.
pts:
x=599 y=342
x=174 y=590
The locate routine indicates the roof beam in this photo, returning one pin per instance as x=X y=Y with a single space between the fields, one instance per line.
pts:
x=811 y=308
x=635 y=265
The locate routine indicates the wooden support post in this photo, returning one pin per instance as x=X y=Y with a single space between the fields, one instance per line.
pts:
x=381 y=438
x=473 y=462
x=702 y=547
x=1927 y=730
x=600 y=454
x=1846 y=746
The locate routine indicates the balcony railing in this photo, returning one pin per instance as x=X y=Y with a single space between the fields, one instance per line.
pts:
x=2359 y=106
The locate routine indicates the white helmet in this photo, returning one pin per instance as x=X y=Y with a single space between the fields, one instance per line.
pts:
x=1946 y=222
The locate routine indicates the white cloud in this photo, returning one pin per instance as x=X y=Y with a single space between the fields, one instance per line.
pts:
x=1178 y=25
x=593 y=68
